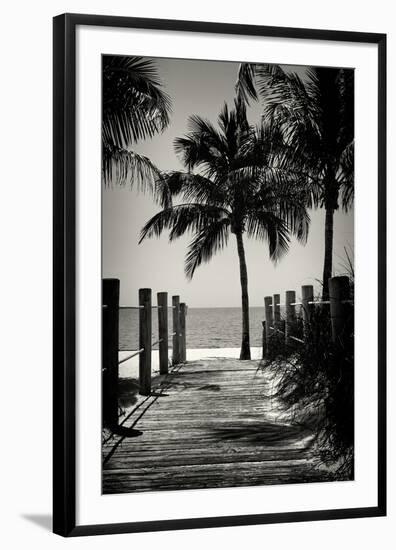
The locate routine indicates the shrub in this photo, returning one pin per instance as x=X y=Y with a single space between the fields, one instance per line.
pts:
x=316 y=382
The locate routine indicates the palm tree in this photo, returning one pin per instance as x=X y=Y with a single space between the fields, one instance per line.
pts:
x=134 y=108
x=317 y=117
x=237 y=189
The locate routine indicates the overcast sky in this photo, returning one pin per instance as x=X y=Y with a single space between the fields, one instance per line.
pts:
x=201 y=87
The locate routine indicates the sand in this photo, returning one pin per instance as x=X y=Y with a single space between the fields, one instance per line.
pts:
x=130 y=369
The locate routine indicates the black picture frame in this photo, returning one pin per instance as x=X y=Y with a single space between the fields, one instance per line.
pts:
x=64 y=297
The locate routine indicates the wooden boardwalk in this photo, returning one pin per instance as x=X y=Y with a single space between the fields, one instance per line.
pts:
x=209 y=423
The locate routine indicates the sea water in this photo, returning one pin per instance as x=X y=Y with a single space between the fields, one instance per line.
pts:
x=205 y=327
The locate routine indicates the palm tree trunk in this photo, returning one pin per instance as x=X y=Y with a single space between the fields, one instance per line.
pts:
x=245 y=346
x=328 y=259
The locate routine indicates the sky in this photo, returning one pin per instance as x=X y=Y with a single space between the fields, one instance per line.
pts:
x=201 y=87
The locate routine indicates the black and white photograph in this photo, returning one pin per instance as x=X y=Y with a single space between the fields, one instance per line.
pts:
x=197 y=311
x=228 y=274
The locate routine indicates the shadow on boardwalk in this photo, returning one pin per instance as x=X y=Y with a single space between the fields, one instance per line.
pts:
x=208 y=423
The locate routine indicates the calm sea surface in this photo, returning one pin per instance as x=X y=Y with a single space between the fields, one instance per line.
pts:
x=206 y=327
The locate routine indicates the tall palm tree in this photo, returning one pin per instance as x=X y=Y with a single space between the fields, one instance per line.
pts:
x=134 y=108
x=237 y=188
x=317 y=117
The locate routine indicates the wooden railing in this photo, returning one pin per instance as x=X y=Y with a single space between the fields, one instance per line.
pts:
x=110 y=341
x=339 y=303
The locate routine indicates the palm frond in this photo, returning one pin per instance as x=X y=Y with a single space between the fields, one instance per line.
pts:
x=245 y=85
x=180 y=219
x=346 y=176
x=196 y=151
x=208 y=241
x=295 y=214
x=203 y=127
x=271 y=228
x=190 y=187
x=286 y=98
x=120 y=167
x=293 y=196
x=134 y=105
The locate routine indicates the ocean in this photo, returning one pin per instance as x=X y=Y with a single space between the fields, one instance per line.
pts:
x=205 y=327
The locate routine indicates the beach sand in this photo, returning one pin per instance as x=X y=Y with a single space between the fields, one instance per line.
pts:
x=130 y=369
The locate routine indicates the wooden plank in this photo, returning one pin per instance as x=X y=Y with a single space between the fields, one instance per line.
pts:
x=110 y=341
x=145 y=330
x=290 y=314
x=209 y=424
x=269 y=315
x=176 y=330
x=277 y=311
x=162 y=302
x=202 y=476
x=307 y=296
x=339 y=294
x=129 y=461
x=182 y=321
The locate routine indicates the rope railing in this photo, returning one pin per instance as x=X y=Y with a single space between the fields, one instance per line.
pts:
x=139 y=307
x=339 y=297
x=138 y=352
x=311 y=302
x=157 y=342
x=110 y=341
x=297 y=339
x=277 y=330
x=130 y=356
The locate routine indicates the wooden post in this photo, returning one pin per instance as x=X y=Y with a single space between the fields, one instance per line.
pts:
x=183 y=313
x=264 y=340
x=307 y=296
x=110 y=330
x=145 y=331
x=277 y=311
x=176 y=330
x=162 y=302
x=290 y=314
x=338 y=291
x=268 y=316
